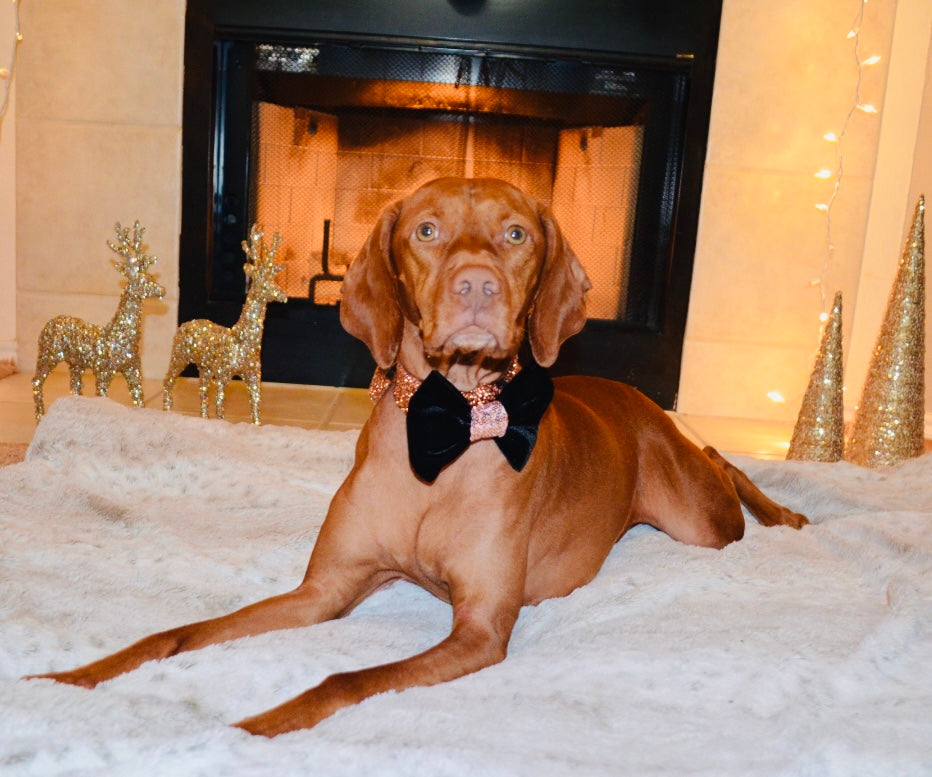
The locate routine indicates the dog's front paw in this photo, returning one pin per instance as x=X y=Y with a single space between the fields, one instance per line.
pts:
x=74 y=677
x=795 y=520
x=304 y=711
x=267 y=724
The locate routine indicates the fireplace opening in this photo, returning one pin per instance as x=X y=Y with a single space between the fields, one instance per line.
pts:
x=313 y=133
x=332 y=146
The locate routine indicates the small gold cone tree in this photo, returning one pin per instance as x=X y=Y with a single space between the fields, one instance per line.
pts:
x=819 y=434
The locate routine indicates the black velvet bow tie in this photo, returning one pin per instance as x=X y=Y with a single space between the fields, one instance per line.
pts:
x=439 y=420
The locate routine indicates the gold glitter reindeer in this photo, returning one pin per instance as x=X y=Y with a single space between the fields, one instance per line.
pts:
x=105 y=350
x=220 y=353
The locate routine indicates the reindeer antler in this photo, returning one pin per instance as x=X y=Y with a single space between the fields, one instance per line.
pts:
x=257 y=255
x=256 y=252
x=130 y=248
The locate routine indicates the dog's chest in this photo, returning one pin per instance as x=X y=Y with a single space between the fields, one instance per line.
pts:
x=434 y=531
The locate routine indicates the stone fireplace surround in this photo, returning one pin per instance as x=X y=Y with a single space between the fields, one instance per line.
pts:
x=96 y=121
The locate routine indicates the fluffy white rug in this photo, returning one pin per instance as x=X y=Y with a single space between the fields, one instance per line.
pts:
x=789 y=653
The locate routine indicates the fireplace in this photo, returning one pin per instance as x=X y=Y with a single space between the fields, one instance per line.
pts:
x=310 y=121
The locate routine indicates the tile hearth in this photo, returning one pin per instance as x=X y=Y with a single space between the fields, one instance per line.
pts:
x=326 y=407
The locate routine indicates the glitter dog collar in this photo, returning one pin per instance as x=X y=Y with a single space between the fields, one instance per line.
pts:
x=405 y=384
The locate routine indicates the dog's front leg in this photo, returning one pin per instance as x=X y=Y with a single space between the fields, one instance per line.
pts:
x=474 y=643
x=305 y=605
x=335 y=581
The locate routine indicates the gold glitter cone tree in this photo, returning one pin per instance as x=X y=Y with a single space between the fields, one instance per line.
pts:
x=819 y=434
x=889 y=420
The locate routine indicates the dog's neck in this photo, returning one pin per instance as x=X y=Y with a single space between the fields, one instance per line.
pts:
x=463 y=373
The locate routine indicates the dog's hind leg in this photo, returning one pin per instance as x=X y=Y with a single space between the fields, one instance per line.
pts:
x=762 y=507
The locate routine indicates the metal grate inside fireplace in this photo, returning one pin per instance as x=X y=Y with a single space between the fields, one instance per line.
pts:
x=314 y=133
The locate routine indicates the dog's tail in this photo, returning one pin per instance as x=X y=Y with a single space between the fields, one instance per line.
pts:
x=762 y=507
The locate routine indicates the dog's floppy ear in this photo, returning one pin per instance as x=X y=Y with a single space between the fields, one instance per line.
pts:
x=369 y=306
x=559 y=308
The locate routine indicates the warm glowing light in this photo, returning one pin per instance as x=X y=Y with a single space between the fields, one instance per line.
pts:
x=823 y=316
x=823 y=173
x=871 y=61
x=776 y=396
x=851 y=34
x=822 y=207
x=831 y=137
x=866 y=108
x=6 y=73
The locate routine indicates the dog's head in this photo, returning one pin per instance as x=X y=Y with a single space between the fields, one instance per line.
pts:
x=471 y=263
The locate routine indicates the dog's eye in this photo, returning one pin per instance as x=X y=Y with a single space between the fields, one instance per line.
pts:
x=426 y=231
x=515 y=235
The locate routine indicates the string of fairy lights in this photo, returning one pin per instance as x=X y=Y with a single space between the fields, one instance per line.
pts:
x=837 y=140
x=6 y=73
x=835 y=174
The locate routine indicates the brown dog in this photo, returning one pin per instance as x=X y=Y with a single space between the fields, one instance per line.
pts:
x=447 y=282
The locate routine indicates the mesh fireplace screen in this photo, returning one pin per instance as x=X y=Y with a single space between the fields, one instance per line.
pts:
x=338 y=133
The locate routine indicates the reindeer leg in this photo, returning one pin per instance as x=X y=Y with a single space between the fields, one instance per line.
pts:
x=204 y=389
x=167 y=387
x=178 y=361
x=42 y=372
x=37 y=396
x=103 y=379
x=133 y=375
x=221 y=395
x=252 y=382
x=76 y=372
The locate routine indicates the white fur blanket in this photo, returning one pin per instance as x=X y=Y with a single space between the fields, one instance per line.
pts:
x=788 y=653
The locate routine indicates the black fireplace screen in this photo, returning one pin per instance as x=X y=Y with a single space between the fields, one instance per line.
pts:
x=340 y=132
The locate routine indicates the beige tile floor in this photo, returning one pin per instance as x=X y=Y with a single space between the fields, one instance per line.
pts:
x=326 y=407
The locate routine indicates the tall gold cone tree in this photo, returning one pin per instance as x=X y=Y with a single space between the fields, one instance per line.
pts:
x=889 y=420
x=819 y=434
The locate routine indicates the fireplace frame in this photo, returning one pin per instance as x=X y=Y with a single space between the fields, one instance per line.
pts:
x=677 y=35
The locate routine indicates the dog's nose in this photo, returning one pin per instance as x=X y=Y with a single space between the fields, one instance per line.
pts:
x=476 y=286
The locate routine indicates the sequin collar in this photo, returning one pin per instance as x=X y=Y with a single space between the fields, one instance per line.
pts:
x=405 y=384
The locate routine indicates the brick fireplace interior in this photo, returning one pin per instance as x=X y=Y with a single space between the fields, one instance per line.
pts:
x=310 y=123
x=321 y=175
